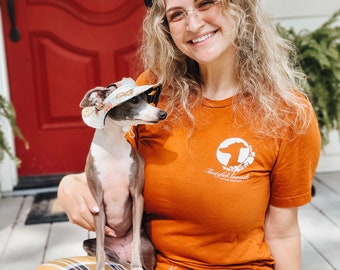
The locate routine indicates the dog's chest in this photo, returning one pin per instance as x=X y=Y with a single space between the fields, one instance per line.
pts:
x=113 y=169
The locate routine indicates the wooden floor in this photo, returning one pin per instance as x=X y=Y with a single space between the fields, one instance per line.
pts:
x=25 y=247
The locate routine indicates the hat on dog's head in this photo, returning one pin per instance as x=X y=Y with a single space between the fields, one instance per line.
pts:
x=98 y=101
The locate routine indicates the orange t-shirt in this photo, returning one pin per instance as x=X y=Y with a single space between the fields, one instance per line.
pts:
x=206 y=197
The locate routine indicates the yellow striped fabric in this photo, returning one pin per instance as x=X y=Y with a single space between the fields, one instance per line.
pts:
x=78 y=263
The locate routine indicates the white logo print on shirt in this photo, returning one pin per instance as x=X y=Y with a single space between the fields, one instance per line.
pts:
x=234 y=154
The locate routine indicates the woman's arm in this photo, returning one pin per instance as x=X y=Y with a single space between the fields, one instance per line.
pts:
x=282 y=234
x=77 y=201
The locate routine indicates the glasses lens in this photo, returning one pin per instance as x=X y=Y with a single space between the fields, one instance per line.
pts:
x=206 y=4
x=175 y=15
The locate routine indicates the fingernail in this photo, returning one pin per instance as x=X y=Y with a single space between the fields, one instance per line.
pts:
x=112 y=234
x=95 y=209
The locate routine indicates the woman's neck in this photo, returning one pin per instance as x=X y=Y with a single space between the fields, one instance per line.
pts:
x=219 y=79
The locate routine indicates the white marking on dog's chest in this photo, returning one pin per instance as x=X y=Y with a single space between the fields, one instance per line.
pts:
x=113 y=171
x=113 y=168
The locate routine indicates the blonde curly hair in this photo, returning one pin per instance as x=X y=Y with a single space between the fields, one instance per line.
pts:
x=269 y=81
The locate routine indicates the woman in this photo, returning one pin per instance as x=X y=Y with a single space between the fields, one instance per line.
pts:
x=226 y=172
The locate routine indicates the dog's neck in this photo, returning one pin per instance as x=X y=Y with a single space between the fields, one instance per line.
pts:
x=112 y=139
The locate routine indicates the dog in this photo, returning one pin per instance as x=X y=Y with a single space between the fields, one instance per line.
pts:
x=115 y=171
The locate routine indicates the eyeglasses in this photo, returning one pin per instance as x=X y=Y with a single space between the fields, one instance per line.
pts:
x=202 y=8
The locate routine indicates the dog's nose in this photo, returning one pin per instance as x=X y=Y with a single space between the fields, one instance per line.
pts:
x=162 y=115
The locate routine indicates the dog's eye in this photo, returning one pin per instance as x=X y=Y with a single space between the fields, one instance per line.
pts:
x=134 y=100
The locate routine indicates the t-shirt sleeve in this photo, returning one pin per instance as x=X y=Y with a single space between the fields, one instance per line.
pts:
x=292 y=175
x=147 y=77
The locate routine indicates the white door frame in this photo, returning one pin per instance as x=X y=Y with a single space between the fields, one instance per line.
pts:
x=8 y=170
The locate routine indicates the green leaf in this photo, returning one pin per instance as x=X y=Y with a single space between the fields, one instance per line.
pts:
x=319 y=58
x=7 y=111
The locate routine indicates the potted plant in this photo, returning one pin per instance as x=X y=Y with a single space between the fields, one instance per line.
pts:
x=7 y=112
x=319 y=58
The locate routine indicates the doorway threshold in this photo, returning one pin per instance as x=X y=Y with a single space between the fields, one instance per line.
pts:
x=32 y=185
x=38 y=181
x=27 y=192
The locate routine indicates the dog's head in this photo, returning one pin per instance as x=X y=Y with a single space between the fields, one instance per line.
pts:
x=124 y=103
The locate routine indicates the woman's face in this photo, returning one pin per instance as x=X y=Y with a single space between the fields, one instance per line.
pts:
x=201 y=29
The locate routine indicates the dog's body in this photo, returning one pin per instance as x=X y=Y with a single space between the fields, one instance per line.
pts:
x=115 y=175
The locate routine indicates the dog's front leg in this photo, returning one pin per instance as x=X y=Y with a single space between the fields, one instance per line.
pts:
x=99 y=220
x=136 y=192
x=138 y=204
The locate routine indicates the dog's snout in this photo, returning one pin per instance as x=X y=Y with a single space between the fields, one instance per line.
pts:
x=162 y=115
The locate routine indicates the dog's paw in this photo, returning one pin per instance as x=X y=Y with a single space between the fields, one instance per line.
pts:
x=89 y=246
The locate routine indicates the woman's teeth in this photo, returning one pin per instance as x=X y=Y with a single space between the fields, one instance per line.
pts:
x=200 y=39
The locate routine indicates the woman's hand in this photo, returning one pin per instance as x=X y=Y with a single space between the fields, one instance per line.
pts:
x=76 y=199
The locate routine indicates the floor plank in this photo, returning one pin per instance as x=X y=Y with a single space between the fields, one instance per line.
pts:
x=26 y=244
x=331 y=180
x=311 y=259
x=9 y=209
x=321 y=234
x=26 y=247
x=65 y=240
x=320 y=225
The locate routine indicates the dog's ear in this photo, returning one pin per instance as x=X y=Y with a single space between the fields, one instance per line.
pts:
x=96 y=96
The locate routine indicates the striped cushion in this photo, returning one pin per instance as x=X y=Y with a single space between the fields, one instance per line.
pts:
x=78 y=263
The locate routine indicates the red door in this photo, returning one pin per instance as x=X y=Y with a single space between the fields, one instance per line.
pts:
x=66 y=47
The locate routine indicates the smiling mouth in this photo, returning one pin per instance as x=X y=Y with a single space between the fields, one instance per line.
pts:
x=202 y=38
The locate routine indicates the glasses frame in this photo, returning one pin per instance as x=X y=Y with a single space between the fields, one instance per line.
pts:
x=197 y=11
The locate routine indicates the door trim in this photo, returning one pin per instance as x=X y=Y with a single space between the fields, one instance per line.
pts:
x=8 y=170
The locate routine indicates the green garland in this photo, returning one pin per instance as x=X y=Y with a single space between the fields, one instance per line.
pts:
x=319 y=58
x=7 y=112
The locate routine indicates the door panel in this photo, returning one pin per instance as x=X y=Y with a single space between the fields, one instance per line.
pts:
x=66 y=48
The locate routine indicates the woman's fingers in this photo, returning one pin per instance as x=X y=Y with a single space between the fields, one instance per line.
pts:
x=77 y=200
x=80 y=206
